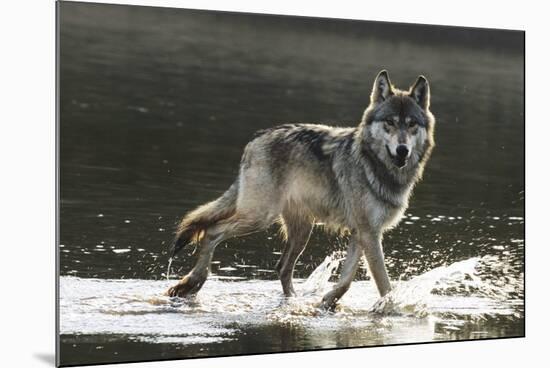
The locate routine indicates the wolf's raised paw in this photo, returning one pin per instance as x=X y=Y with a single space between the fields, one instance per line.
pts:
x=188 y=285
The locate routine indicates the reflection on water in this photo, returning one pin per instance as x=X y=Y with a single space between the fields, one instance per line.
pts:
x=156 y=106
x=446 y=303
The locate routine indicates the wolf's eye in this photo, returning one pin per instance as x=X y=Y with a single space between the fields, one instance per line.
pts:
x=390 y=122
x=412 y=123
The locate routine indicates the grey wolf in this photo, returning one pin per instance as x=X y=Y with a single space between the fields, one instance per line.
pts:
x=356 y=179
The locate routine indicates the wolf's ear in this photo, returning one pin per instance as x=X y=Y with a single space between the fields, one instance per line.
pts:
x=382 y=88
x=420 y=92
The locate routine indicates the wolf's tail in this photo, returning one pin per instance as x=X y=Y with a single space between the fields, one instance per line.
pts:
x=194 y=224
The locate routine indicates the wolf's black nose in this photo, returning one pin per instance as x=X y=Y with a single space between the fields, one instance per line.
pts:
x=402 y=151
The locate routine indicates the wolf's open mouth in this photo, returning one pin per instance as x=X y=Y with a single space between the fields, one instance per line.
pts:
x=398 y=161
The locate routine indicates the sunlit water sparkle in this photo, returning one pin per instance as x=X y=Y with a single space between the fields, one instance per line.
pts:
x=452 y=295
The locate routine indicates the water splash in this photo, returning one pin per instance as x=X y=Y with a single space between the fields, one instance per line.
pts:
x=412 y=297
x=168 y=268
x=453 y=295
x=464 y=287
x=318 y=280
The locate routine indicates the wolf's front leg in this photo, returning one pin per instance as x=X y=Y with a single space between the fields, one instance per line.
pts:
x=346 y=276
x=372 y=247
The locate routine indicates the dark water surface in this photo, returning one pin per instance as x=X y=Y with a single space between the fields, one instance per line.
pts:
x=156 y=106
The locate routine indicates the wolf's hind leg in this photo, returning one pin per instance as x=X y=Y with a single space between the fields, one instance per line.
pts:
x=347 y=274
x=233 y=227
x=193 y=281
x=298 y=230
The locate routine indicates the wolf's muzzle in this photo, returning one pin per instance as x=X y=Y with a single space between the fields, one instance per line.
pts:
x=400 y=159
x=402 y=151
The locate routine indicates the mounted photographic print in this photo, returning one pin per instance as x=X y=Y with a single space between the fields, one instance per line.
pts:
x=233 y=184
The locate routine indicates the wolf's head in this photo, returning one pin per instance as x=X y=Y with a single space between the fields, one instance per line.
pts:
x=397 y=125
